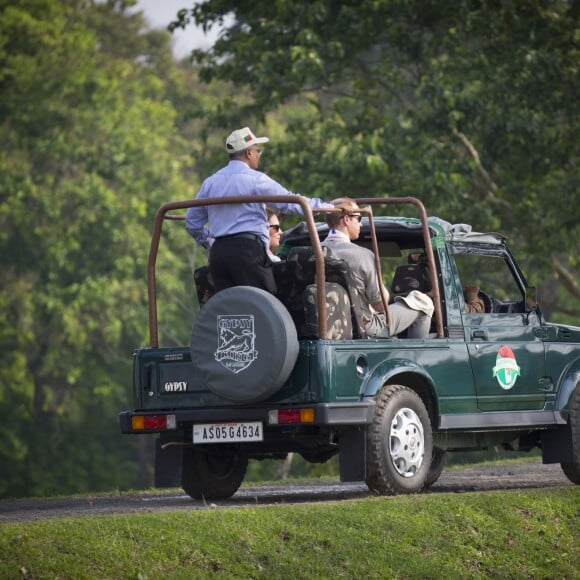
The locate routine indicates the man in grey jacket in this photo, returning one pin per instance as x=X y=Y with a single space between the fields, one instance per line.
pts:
x=412 y=312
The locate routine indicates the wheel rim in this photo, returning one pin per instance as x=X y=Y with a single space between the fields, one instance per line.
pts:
x=407 y=442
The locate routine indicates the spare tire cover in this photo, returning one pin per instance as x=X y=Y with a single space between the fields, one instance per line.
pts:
x=244 y=344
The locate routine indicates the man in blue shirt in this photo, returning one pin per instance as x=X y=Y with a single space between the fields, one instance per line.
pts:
x=238 y=235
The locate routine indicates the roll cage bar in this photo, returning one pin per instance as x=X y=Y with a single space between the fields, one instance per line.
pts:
x=162 y=214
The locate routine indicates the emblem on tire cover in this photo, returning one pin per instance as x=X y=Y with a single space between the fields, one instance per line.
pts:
x=236 y=337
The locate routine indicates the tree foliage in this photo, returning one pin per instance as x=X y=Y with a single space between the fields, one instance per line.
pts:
x=89 y=150
x=467 y=105
x=470 y=106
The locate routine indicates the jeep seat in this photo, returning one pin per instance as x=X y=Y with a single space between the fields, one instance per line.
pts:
x=298 y=272
x=339 y=322
x=410 y=277
x=203 y=284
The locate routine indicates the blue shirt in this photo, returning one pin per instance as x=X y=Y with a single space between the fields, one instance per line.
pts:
x=237 y=178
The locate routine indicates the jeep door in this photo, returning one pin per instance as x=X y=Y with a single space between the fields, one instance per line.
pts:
x=505 y=343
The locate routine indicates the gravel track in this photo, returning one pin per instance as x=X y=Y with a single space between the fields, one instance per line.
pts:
x=473 y=479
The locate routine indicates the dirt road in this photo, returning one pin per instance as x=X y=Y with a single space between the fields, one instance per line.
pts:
x=522 y=476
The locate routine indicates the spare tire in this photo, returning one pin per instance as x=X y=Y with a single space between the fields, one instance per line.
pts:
x=244 y=344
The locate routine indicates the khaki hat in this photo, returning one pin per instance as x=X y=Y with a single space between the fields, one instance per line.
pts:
x=241 y=139
x=417 y=301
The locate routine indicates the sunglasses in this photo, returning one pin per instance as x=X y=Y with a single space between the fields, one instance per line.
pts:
x=275 y=227
x=357 y=216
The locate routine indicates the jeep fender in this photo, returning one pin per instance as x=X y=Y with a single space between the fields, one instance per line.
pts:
x=402 y=372
x=567 y=382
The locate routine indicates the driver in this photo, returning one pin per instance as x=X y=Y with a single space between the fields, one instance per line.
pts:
x=473 y=302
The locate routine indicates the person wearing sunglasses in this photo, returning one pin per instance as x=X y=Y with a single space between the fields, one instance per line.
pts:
x=238 y=235
x=412 y=313
x=275 y=234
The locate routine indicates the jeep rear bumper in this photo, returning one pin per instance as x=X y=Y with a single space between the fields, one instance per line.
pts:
x=324 y=414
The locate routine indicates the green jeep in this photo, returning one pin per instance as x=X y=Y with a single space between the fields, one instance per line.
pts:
x=265 y=376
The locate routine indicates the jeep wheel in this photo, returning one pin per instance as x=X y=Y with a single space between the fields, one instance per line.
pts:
x=244 y=344
x=572 y=468
x=212 y=474
x=399 y=443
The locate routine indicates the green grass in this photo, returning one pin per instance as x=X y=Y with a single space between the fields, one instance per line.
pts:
x=501 y=534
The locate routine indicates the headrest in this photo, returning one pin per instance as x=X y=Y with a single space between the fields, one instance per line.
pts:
x=411 y=277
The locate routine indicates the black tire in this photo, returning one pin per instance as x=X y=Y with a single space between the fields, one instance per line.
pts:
x=212 y=473
x=572 y=468
x=244 y=344
x=437 y=465
x=399 y=443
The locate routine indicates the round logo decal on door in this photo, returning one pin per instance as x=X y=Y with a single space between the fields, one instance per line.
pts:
x=506 y=369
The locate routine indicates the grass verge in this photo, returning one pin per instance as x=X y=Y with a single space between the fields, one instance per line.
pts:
x=513 y=534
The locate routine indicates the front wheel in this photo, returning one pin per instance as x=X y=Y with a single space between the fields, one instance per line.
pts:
x=399 y=443
x=572 y=468
x=212 y=474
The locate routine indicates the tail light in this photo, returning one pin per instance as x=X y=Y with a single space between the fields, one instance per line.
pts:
x=291 y=416
x=153 y=422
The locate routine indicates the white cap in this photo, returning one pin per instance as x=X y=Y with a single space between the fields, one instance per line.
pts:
x=241 y=139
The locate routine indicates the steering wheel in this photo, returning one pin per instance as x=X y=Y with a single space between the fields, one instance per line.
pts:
x=487 y=301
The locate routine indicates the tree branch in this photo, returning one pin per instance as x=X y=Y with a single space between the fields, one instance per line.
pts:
x=566 y=277
x=490 y=187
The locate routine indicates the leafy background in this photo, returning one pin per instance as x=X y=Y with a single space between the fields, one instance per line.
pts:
x=470 y=106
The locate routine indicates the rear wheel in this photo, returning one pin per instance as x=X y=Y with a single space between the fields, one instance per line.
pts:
x=572 y=468
x=399 y=443
x=212 y=474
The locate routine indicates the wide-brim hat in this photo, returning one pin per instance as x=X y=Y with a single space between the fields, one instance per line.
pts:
x=417 y=301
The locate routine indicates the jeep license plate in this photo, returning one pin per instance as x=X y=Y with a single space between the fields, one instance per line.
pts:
x=228 y=432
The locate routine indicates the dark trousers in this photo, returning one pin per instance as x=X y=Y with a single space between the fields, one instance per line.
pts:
x=241 y=261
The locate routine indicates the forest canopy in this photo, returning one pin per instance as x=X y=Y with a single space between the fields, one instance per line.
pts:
x=469 y=106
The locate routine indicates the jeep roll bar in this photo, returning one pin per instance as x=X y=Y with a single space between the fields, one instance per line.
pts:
x=160 y=216
x=426 y=240
x=307 y=211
